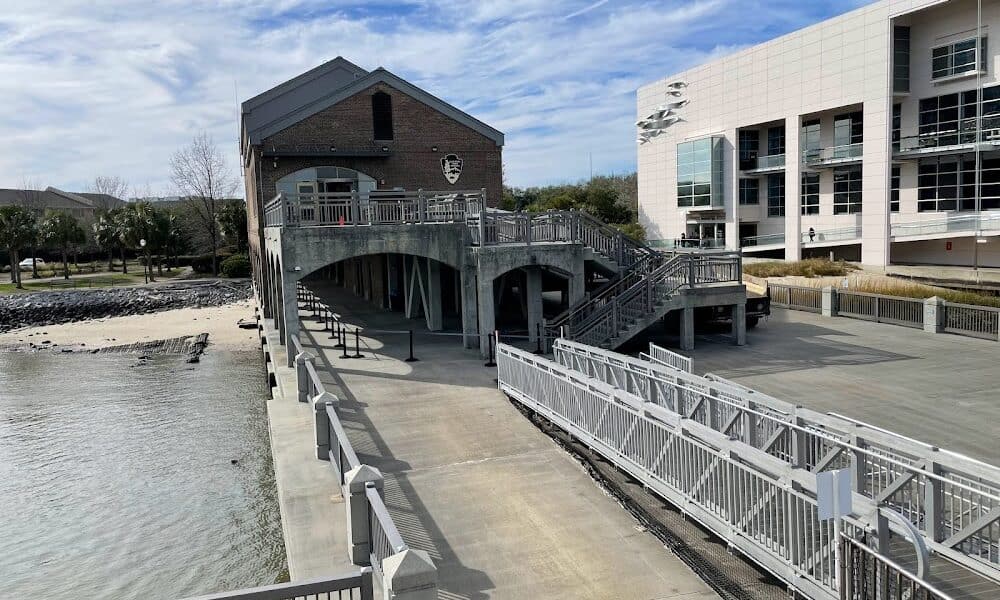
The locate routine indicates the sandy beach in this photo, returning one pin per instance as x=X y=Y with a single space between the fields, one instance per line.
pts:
x=219 y=322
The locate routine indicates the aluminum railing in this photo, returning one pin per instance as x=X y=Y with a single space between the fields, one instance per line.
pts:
x=963 y=133
x=908 y=312
x=975 y=321
x=956 y=223
x=769 y=161
x=867 y=575
x=831 y=235
x=372 y=208
x=355 y=585
x=796 y=297
x=953 y=500
x=762 y=240
x=662 y=356
x=383 y=535
x=833 y=154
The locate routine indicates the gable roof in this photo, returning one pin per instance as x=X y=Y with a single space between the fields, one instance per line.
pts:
x=291 y=102
x=55 y=198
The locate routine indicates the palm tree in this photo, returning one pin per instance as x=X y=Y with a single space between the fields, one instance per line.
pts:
x=121 y=219
x=61 y=230
x=17 y=231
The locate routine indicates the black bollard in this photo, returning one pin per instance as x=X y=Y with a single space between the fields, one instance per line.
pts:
x=333 y=329
x=357 y=344
x=343 y=342
x=538 y=339
x=411 y=357
x=490 y=362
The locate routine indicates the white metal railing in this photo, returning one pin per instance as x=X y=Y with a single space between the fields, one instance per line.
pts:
x=796 y=297
x=669 y=358
x=975 y=321
x=908 y=312
x=372 y=208
x=831 y=235
x=868 y=575
x=833 y=154
x=954 y=223
x=954 y=500
x=961 y=133
x=356 y=585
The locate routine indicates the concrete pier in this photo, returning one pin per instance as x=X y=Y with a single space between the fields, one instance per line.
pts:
x=502 y=511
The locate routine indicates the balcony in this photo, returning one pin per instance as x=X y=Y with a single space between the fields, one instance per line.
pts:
x=833 y=156
x=958 y=140
x=764 y=164
x=953 y=225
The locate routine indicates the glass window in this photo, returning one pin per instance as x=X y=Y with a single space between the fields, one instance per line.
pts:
x=897 y=122
x=810 y=138
x=949 y=183
x=776 y=140
x=900 y=59
x=382 y=115
x=749 y=148
x=810 y=193
x=749 y=191
x=699 y=173
x=848 y=129
x=957 y=58
x=776 y=195
x=847 y=190
x=894 y=190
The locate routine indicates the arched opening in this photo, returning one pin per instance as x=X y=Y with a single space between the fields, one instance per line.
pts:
x=326 y=180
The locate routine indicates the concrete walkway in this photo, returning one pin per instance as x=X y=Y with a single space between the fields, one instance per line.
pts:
x=937 y=388
x=502 y=510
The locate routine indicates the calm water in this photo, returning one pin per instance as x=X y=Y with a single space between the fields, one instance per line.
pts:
x=116 y=481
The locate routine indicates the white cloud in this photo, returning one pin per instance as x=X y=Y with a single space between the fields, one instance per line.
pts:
x=115 y=87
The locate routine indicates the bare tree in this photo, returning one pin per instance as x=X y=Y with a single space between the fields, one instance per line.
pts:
x=111 y=185
x=201 y=175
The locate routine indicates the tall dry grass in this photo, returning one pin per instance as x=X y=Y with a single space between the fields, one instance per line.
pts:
x=810 y=267
x=907 y=289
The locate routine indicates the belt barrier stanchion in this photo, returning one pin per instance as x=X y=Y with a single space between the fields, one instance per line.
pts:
x=343 y=342
x=490 y=362
x=333 y=328
x=411 y=358
x=357 y=344
x=538 y=339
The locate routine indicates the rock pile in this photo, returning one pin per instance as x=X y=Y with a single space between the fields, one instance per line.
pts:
x=50 y=308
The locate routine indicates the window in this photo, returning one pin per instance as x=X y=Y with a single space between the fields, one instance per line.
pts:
x=901 y=59
x=848 y=129
x=897 y=122
x=810 y=193
x=776 y=140
x=949 y=183
x=749 y=148
x=957 y=58
x=776 y=195
x=847 y=190
x=894 y=190
x=749 y=191
x=951 y=119
x=382 y=115
x=699 y=172
x=810 y=138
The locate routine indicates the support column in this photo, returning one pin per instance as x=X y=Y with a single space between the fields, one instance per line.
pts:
x=470 y=310
x=432 y=310
x=793 y=211
x=356 y=500
x=533 y=297
x=577 y=284
x=687 y=329
x=290 y=312
x=740 y=324
x=487 y=314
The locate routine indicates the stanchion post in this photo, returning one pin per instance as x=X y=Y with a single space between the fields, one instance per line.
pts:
x=333 y=329
x=411 y=358
x=490 y=362
x=341 y=336
x=538 y=339
x=343 y=342
x=357 y=344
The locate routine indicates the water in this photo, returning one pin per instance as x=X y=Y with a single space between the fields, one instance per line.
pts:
x=116 y=480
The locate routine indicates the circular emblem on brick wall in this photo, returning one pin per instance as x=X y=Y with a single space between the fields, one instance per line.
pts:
x=451 y=166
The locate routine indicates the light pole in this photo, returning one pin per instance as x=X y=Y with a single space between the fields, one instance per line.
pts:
x=145 y=270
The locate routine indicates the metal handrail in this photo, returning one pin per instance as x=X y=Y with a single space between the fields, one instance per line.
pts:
x=762 y=240
x=832 y=235
x=953 y=223
x=359 y=580
x=830 y=153
x=849 y=591
x=385 y=539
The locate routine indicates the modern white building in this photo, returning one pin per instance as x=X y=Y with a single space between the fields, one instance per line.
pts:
x=874 y=135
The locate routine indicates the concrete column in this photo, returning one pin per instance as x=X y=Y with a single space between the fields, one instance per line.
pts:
x=577 y=284
x=793 y=177
x=432 y=310
x=740 y=324
x=470 y=310
x=301 y=374
x=487 y=314
x=829 y=306
x=876 y=166
x=358 y=535
x=290 y=312
x=934 y=315
x=322 y=422
x=687 y=329
x=533 y=297
x=409 y=575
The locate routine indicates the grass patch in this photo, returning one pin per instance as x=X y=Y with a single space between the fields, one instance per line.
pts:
x=810 y=267
x=98 y=281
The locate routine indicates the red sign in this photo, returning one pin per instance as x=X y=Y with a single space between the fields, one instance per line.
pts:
x=947 y=245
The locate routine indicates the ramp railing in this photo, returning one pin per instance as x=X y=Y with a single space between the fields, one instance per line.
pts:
x=954 y=501
x=355 y=585
x=379 y=207
x=867 y=575
x=668 y=358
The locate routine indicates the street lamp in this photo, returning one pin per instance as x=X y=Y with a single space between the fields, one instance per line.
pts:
x=145 y=270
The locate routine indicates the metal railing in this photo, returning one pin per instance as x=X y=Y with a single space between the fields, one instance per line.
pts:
x=372 y=208
x=833 y=154
x=867 y=575
x=662 y=356
x=703 y=243
x=383 y=536
x=762 y=240
x=831 y=235
x=955 y=223
x=908 y=312
x=760 y=163
x=953 y=500
x=963 y=133
x=796 y=297
x=355 y=585
x=975 y=321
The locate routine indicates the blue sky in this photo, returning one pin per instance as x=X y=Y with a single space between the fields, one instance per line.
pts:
x=115 y=87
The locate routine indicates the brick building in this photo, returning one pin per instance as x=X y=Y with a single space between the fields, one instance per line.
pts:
x=338 y=128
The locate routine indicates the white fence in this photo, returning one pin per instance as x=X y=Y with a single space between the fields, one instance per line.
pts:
x=669 y=358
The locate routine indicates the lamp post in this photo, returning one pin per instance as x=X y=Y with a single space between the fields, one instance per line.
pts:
x=145 y=270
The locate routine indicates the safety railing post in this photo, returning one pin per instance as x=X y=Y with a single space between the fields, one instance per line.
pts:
x=411 y=358
x=302 y=375
x=421 y=206
x=356 y=483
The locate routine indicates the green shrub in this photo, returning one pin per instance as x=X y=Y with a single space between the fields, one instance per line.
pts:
x=237 y=265
x=202 y=263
